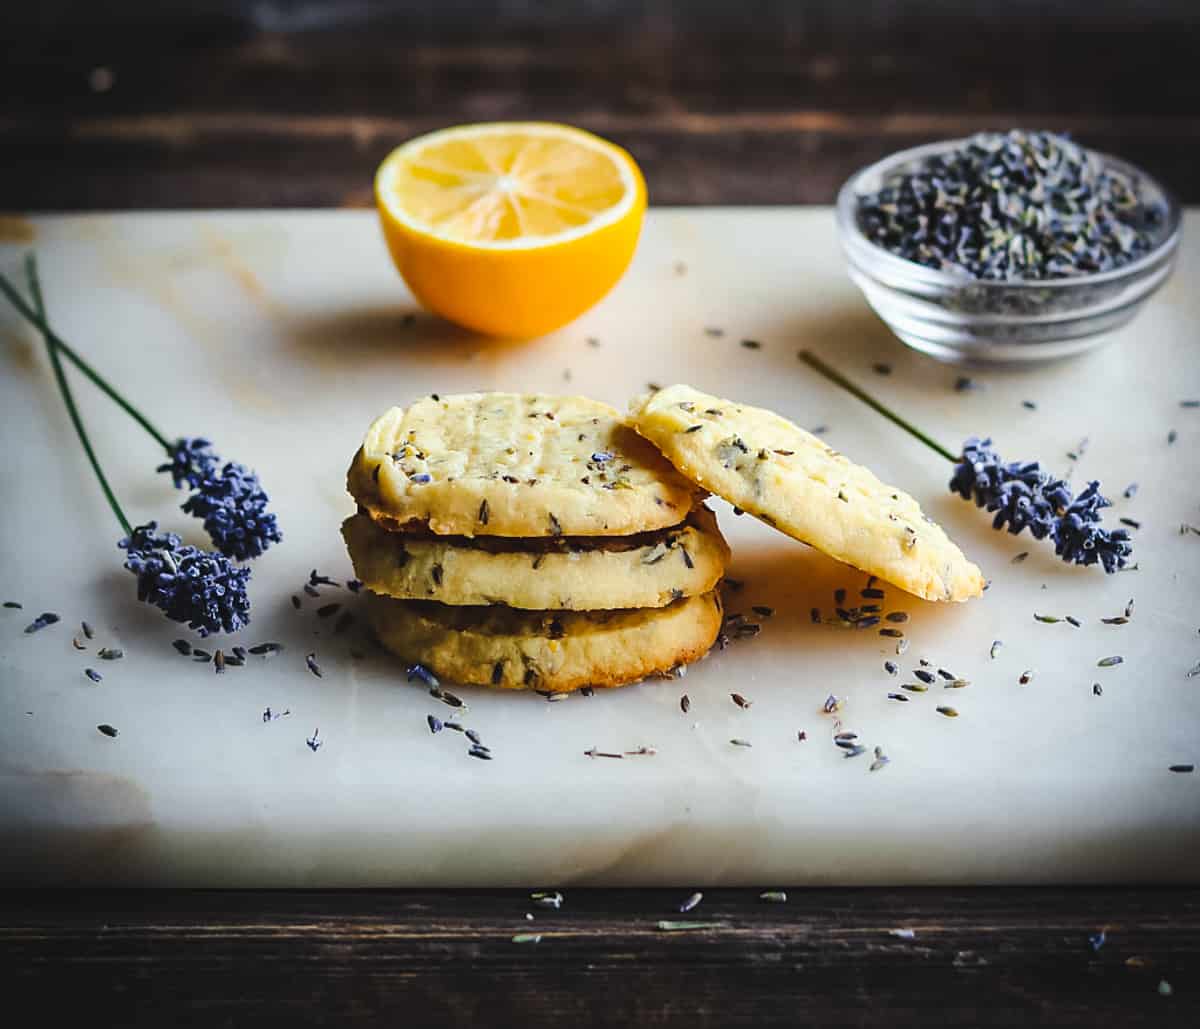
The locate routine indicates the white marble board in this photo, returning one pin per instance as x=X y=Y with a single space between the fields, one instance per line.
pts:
x=281 y=334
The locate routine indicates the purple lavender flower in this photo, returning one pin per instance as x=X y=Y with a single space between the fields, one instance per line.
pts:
x=231 y=502
x=1023 y=496
x=1020 y=495
x=1081 y=540
x=192 y=461
x=203 y=589
x=234 y=508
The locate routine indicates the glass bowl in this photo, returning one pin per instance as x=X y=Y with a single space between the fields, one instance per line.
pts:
x=955 y=317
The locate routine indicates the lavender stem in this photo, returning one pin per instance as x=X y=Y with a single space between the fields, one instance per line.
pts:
x=814 y=362
x=35 y=291
x=38 y=320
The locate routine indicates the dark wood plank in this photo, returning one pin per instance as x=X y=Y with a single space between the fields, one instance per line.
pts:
x=281 y=104
x=1000 y=957
x=256 y=161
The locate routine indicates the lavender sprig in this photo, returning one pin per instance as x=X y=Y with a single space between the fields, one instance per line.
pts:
x=192 y=460
x=35 y=290
x=203 y=589
x=1080 y=539
x=1020 y=495
x=232 y=504
x=234 y=508
x=1023 y=496
x=231 y=501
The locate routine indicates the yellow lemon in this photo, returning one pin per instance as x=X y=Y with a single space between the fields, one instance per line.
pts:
x=510 y=228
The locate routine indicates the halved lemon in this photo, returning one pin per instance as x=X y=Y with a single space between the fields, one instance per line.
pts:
x=510 y=228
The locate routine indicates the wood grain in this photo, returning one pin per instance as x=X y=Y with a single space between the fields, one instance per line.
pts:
x=294 y=104
x=984 y=957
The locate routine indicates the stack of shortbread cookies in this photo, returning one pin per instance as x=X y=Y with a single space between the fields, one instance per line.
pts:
x=528 y=541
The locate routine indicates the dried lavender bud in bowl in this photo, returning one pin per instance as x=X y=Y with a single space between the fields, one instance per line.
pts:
x=1014 y=246
x=1013 y=205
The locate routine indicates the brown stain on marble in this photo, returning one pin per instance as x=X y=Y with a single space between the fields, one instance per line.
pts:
x=20 y=353
x=103 y=798
x=153 y=279
x=153 y=276
x=63 y=825
x=245 y=276
x=15 y=229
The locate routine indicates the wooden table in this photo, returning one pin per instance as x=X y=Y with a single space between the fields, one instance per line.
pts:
x=998 y=957
x=235 y=104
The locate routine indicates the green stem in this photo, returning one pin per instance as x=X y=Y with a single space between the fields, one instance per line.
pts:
x=816 y=363
x=35 y=291
x=38 y=320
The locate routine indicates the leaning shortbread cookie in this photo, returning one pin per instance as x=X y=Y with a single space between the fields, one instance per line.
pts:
x=505 y=464
x=557 y=651
x=580 y=573
x=765 y=465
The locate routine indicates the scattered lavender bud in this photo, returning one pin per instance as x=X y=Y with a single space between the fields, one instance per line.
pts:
x=41 y=621
x=423 y=674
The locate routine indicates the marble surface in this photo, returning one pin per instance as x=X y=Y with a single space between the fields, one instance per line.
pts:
x=281 y=335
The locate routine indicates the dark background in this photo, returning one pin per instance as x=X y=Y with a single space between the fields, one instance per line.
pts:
x=250 y=103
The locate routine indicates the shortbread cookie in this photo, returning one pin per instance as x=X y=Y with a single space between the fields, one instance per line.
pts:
x=503 y=464
x=577 y=573
x=557 y=651
x=765 y=465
